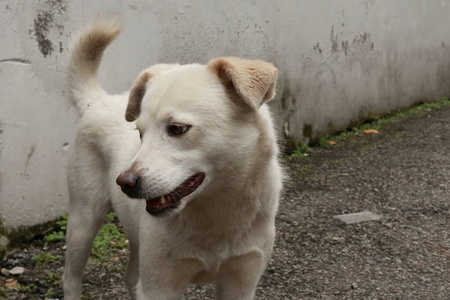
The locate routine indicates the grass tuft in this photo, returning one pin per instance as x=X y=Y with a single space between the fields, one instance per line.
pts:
x=60 y=231
x=109 y=240
x=301 y=151
x=45 y=257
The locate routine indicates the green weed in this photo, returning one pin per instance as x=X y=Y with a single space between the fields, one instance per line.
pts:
x=4 y=292
x=301 y=151
x=109 y=240
x=44 y=258
x=50 y=294
x=53 y=279
x=60 y=231
x=27 y=288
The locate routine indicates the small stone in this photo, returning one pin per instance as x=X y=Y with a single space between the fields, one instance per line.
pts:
x=11 y=284
x=358 y=217
x=17 y=271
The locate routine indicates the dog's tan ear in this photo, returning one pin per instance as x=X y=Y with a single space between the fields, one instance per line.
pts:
x=252 y=81
x=139 y=89
x=136 y=95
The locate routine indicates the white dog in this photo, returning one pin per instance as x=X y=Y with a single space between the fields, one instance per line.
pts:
x=193 y=152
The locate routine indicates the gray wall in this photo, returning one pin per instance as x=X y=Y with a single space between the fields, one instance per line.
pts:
x=339 y=61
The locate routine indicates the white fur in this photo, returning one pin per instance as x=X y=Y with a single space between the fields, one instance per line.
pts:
x=223 y=232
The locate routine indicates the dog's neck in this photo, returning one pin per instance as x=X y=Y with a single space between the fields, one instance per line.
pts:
x=229 y=213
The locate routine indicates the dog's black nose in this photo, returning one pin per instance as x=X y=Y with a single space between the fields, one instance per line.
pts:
x=128 y=180
x=130 y=183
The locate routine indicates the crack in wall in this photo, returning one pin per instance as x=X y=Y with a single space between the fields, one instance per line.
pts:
x=16 y=60
x=28 y=159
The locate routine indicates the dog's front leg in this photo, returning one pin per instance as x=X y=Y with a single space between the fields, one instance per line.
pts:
x=157 y=293
x=163 y=279
x=239 y=276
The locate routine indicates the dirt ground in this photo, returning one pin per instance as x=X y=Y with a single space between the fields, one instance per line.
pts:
x=402 y=174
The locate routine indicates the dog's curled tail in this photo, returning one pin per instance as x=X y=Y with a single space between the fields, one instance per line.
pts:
x=86 y=52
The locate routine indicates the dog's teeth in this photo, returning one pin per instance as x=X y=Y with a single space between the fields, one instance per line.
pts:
x=163 y=200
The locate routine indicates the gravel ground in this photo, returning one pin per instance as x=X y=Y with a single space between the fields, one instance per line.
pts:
x=402 y=174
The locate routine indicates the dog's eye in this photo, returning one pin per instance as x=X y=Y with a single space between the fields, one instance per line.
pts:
x=177 y=129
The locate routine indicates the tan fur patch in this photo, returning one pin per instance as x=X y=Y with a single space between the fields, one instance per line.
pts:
x=136 y=95
x=253 y=81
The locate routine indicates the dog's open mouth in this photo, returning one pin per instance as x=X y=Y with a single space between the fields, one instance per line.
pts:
x=157 y=205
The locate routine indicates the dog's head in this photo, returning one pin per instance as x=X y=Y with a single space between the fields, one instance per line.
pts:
x=199 y=126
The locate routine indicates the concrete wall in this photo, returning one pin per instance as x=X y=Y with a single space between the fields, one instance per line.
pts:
x=339 y=61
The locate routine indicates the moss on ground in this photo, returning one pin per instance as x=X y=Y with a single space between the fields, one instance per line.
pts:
x=14 y=238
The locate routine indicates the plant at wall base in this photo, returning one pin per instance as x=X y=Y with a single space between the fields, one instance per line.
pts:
x=391 y=118
x=325 y=141
x=60 y=230
x=301 y=151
